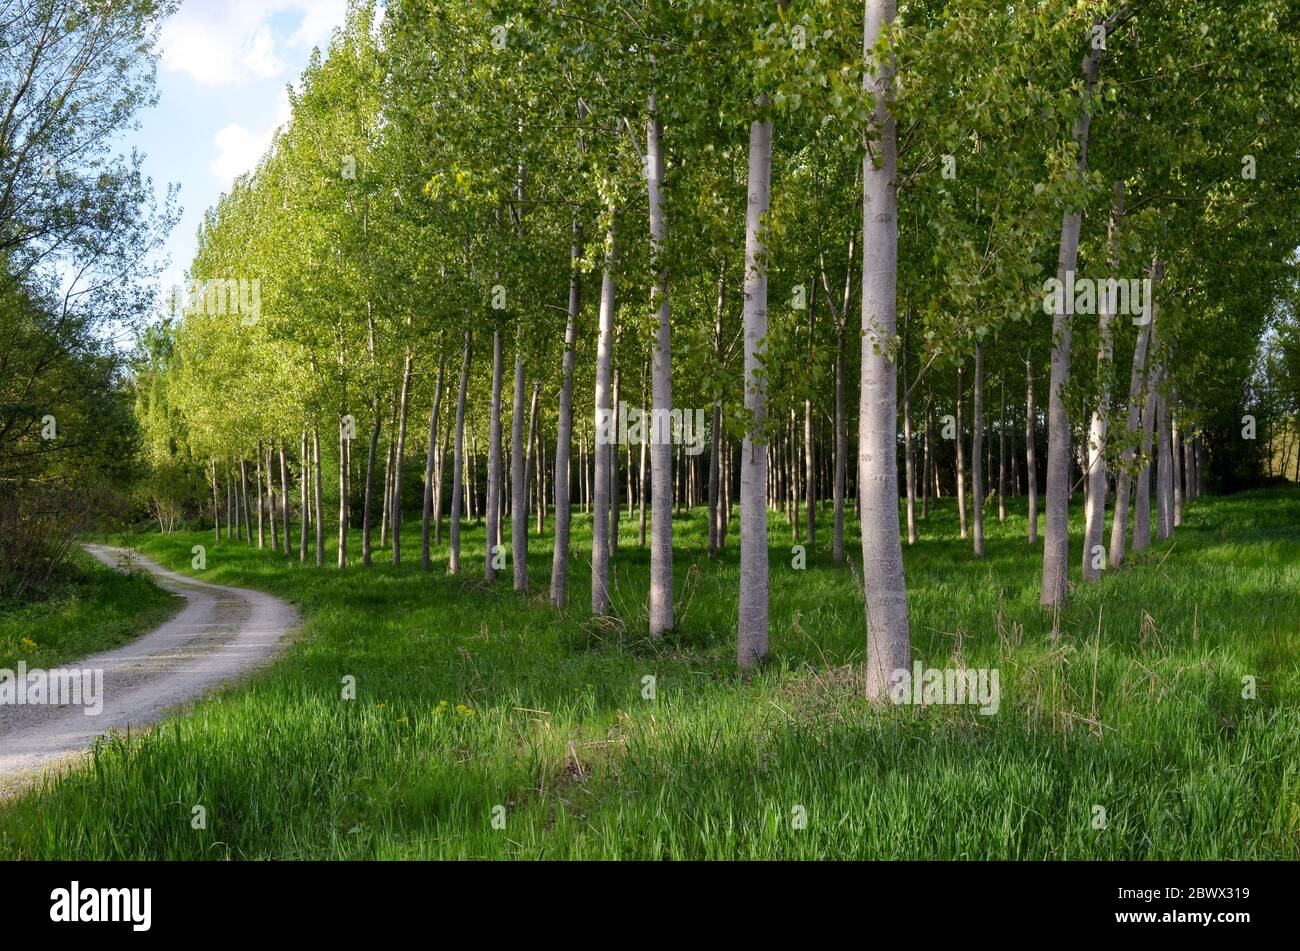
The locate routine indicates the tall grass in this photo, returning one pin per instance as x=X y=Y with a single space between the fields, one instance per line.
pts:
x=471 y=698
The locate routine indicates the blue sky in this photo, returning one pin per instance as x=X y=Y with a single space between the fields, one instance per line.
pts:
x=222 y=74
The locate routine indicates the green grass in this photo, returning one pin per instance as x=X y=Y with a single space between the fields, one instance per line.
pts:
x=91 y=608
x=561 y=737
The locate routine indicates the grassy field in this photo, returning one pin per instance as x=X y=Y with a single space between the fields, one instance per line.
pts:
x=471 y=698
x=91 y=608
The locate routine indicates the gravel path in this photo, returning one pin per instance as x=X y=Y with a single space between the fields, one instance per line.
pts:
x=220 y=634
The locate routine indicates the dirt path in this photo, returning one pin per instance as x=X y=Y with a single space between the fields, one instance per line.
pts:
x=220 y=634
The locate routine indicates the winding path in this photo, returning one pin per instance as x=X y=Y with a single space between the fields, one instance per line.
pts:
x=220 y=634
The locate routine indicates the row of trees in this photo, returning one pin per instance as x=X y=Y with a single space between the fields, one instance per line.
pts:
x=690 y=206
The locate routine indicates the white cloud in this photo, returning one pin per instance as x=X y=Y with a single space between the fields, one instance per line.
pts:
x=239 y=150
x=230 y=42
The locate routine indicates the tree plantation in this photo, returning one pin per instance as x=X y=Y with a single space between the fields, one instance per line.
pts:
x=678 y=429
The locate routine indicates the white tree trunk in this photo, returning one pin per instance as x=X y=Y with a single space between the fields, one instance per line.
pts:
x=518 y=477
x=458 y=459
x=977 y=453
x=888 y=638
x=429 y=461
x=1056 y=543
x=1123 y=479
x=564 y=431
x=751 y=635
x=606 y=428
x=1031 y=462
x=492 y=522
x=1164 y=466
x=661 y=452
x=1095 y=506
x=961 y=459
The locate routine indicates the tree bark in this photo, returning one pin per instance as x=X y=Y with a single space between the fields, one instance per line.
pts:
x=430 y=459
x=399 y=457
x=284 y=499
x=1164 y=468
x=606 y=429
x=316 y=487
x=518 y=476
x=564 y=430
x=303 y=501
x=888 y=638
x=1002 y=447
x=1056 y=543
x=909 y=474
x=458 y=459
x=977 y=452
x=841 y=448
x=367 y=498
x=613 y=464
x=1095 y=477
x=243 y=499
x=344 y=447
x=272 y=517
x=961 y=459
x=492 y=520
x=752 y=629
x=661 y=454
x=1142 y=505
x=1176 y=461
x=715 y=429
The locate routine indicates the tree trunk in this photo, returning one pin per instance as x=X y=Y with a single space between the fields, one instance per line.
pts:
x=458 y=458
x=284 y=498
x=518 y=477
x=641 y=478
x=961 y=458
x=270 y=497
x=1095 y=477
x=492 y=518
x=715 y=429
x=1002 y=447
x=243 y=500
x=1176 y=461
x=925 y=464
x=661 y=455
x=430 y=458
x=1031 y=464
x=752 y=629
x=606 y=429
x=888 y=638
x=344 y=447
x=613 y=467
x=398 y=459
x=316 y=487
x=564 y=430
x=1056 y=542
x=303 y=502
x=909 y=474
x=977 y=452
x=1123 y=477
x=1142 y=505
x=368 y=495
x=1164 y=468
x=841 y=447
